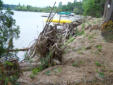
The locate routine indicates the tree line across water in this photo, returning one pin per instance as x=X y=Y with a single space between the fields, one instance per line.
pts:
x=93 y=8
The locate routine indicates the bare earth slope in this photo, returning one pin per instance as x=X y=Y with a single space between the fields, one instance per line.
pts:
x=88 y=60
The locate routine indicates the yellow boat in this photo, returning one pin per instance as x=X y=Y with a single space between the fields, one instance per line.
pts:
x=57 y=21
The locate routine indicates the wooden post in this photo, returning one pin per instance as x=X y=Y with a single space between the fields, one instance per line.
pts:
x=108 y=11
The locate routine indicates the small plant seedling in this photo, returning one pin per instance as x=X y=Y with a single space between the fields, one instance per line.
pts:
x=32 y=76
x=47 y=73
x=70 y=40
x=35 y=71
x=80 y=50
x=77 y=63
x=57 y=70
x=101 y=74
x=98 y=64
x=99 y=47
x=90 y=37
x=9 y=63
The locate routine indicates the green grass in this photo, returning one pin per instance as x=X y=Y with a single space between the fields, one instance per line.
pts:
x=47 y=73
x=35 y=71
x=69 y=41
x=98 y=64
x=32 y=76
x=8 y=63
x=57 y=70
x=80 y=51
x=90 y=37
x=101 y=74
x=77 y=63
x=99 y=48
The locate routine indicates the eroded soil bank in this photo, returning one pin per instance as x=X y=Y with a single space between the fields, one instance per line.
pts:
x=87 y=60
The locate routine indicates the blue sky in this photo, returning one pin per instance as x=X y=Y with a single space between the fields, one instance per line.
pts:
x=38 y=3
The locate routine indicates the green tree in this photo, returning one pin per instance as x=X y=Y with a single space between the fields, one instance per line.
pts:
x=0 y=4
x=8 y=32
x=60 y=4
x=93 y=8
x=78 y=8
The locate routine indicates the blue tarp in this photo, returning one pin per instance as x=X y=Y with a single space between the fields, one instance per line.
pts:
x=66 y=13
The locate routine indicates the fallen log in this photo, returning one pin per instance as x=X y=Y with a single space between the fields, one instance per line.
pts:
x=23 y=49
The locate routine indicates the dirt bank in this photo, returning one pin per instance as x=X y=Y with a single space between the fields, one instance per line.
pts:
x=88 y=60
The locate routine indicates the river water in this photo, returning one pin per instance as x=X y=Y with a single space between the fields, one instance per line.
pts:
x=31 y=24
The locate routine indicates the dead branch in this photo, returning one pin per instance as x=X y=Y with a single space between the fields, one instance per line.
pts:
x=14 y=50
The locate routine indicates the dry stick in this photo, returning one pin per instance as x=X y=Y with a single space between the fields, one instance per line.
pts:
x=23 y=49
x=51 y=11
x=49 y=16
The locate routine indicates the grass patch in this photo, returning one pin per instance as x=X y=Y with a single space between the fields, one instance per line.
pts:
x=47 y=73
x=80 y=51
x=57 y=70
x=71 y=39
x=98 y=64
x=35 y=71
x=77 y=63
x=101 y=74
x=90 y=37
x=99 y=48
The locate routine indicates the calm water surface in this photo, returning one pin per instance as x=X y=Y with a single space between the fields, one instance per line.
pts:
x=31 y=24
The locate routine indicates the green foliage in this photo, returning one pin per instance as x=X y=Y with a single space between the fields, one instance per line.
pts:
x=75 y=7
x=78 y=8
x=101 y=74
x=32 y=76
x=71 y=39
x=57 y=70
x=1 y=4
x=93 y=8
x=98 y=64
x=80 y=32
x=77 y=63
x=91 y=36
x=8 y=31
x=33 y=9
x=47 y=73
x=99 y=48
x=35 y=71
x=8 y=63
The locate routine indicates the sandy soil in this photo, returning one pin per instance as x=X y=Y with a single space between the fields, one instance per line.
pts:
x=88 y=60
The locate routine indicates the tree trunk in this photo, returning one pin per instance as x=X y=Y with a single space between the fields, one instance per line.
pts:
x=108 y=11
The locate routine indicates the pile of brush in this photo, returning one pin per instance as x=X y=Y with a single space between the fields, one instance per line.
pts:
x=9 y=72
x=49 y=46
